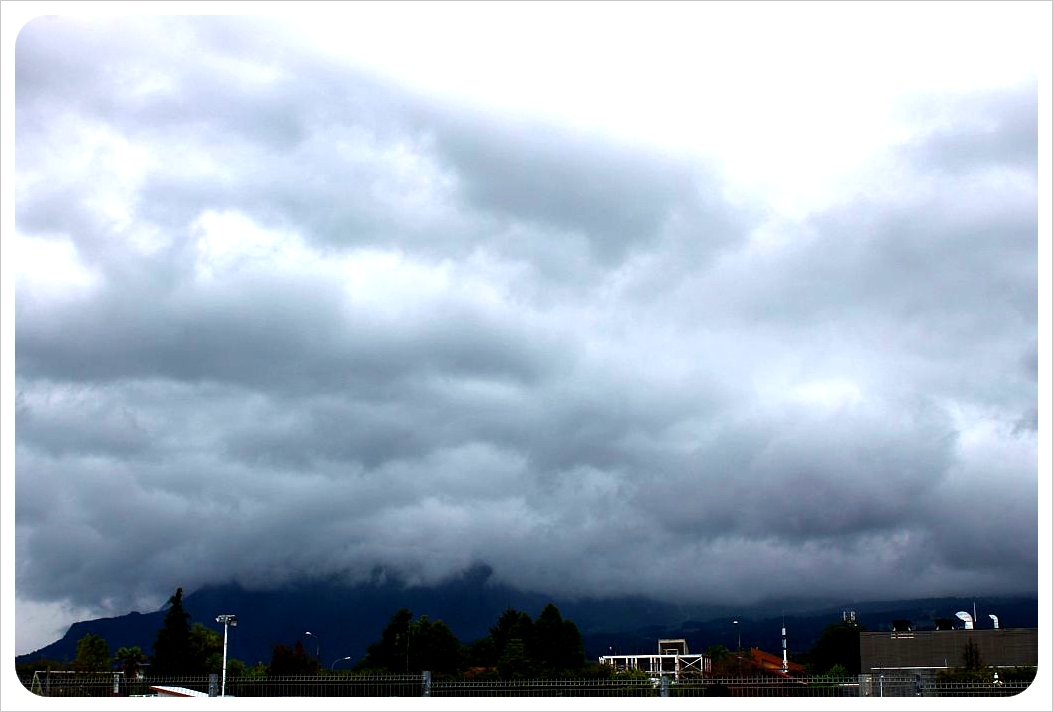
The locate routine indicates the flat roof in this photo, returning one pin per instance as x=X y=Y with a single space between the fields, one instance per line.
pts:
x=174 y=691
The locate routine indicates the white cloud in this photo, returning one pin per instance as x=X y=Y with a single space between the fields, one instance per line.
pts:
x=51 y=267
x=39 y=623
x=792 y=97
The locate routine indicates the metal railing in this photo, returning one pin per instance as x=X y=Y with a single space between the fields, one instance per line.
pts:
x=544 y=688
x=908 y=685
x=349 y=685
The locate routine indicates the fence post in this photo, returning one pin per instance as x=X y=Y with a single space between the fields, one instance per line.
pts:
x=116 y=684
x=213 y=684
x=425 y=683
x=663 y=690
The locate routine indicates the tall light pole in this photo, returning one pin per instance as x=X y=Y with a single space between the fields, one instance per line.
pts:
x=338 y=660
x=736 y=624
x=227 y=620
x=317 y=646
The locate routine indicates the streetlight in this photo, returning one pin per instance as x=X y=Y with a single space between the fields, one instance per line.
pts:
x=338 y=660
x=227 y=620
x=736 y=624
x=317 y=646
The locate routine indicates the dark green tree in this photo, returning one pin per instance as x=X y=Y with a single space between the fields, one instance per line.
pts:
x=515 y=662
x=1017 y=674
x=235 y=668
x=93 y=654
x=408 y=645
x=256 y=671
x=511 y=625
x=722 y=662
x=480 y=653
x=391 y=652
x=838 y=671
x=972 y=668
x=971 y=659
x=206 y=650
x=572 y=658
x=555 y=644
x=129 y=659
x=433 y=646
x=546 y=639
x=838 y=645
x=291 y=661
x=26 y=670
x=172 y=651
x=596 y=671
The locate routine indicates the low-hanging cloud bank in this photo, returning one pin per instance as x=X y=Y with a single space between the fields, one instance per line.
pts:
x=277 y=318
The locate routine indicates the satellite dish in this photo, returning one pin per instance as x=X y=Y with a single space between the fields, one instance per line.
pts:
x=966 y=618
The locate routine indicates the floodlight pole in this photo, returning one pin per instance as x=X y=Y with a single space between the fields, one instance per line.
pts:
x=227 y=620
x=317 y=647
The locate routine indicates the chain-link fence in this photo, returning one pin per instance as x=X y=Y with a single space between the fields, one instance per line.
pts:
x=53 y=684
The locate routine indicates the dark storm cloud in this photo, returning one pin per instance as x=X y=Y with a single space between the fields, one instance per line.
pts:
x=272 y=331
x=313 y=145
x=785 y=486
x=430 y=335
x=616 y=197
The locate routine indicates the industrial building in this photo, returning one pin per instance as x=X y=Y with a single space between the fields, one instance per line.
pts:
x=672 y=658
x=928 y=652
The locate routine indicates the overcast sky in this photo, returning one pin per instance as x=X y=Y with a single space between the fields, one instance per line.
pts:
x=707 y=302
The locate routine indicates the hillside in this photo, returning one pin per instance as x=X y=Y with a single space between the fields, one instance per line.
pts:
x=345 y=620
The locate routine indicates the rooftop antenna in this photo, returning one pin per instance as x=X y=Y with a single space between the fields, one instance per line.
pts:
x=784 y=661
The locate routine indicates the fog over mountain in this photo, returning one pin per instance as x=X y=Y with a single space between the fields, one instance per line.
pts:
x=346 y=620
x=281 y=313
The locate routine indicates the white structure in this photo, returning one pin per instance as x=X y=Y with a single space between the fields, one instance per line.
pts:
x=227 y=620
x=785 y=661
x=174 y=691
x=672 y=658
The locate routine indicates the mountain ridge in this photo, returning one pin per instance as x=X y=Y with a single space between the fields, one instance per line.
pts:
x=345 y=619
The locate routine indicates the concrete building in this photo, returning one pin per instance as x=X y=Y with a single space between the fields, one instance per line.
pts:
x=928 y=652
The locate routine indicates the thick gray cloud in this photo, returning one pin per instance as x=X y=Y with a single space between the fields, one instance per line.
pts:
x=320 y=324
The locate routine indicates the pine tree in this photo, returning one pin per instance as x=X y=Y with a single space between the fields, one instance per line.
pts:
x=172 y=653
x=971 y=659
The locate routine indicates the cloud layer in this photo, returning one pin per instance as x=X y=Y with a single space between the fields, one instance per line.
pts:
x=277 y=317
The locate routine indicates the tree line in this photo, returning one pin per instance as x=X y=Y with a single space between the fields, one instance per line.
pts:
x=179 y=649
x=517 y=646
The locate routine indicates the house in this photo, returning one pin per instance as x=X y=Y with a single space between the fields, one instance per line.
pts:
x=767 y=663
